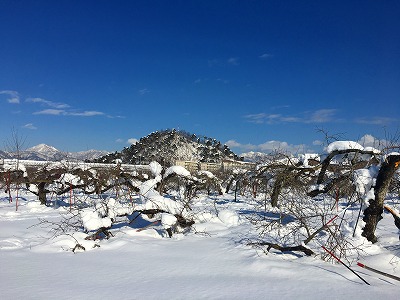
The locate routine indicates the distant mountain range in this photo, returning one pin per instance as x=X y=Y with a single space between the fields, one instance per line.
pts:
x=255 y=157
x=165 y=146
x=43 y=152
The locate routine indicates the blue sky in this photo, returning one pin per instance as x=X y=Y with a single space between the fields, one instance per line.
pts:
x=81 y=75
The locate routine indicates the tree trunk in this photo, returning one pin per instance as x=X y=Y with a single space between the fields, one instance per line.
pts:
x=42 y=193
x=373 y=213
x=276 y=191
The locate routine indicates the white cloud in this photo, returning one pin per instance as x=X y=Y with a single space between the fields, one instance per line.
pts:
x=232 y=144
x=317 y=143
x=13 y=98
x=48 y=103
x=132 y=141
x=318 y=116
x=370 y=141
x=268 y=146
x=29 y=126
x=119 y=141
x=273 y=145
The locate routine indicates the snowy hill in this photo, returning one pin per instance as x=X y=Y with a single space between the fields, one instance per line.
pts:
x=168 y=146
x=43 y=152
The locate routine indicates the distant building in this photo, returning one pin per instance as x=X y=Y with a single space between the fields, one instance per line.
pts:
x=191 y=166
x=224 y=165
x=228 y=164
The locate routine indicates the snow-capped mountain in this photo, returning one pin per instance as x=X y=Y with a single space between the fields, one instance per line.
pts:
x=41 y=152
x=45 y=152
x=256 y=157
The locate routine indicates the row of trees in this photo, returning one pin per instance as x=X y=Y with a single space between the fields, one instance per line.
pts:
x=298 y=196
x=303 y=195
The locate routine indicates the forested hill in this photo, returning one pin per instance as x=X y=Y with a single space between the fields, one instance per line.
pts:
x=168 y=146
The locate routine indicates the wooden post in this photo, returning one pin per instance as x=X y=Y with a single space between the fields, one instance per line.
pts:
x=9 y=187
x=70 y=197
x=16 y=199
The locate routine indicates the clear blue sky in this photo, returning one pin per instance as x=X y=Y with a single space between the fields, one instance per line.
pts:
x=79 y=75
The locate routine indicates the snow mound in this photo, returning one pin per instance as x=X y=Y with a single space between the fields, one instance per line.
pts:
x=393 y=153
x=164 y=204
x=372 y=149
x=229 y=217
x=168 y=220
x=207 y=174
x=71 y=179
x=92 y=220
x=343 y=145
x=364 y=179
x=304 y=158
x=116 y=208
x=151 y=199
x=178 y=170
x=155 y=168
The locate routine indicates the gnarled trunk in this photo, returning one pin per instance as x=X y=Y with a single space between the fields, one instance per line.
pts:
x=373 y=213
x=42 y=193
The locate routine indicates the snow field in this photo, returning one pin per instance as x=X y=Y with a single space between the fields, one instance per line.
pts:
x=212 y=263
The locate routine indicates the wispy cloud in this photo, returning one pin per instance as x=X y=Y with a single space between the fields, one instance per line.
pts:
x=223 y=62
x=318 y=116
x=143 y=92
x=321 y=116
x=265 y=56
x=61 y=109
x=213 y=62
x=48 y=103
x=13 y=96
x=259 y=118
x=376 y=120
x=29 y=126
x=89 y=113
x=224 y=81
x=61 y=112
x=50 y=111
x=234 y=61
x=55 y=108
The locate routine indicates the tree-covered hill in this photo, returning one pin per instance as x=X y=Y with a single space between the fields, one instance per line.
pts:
x=168 y=146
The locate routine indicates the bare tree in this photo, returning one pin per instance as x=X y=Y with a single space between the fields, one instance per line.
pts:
x=15 y=145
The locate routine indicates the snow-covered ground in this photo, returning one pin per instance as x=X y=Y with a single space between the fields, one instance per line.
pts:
x=210 y=262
